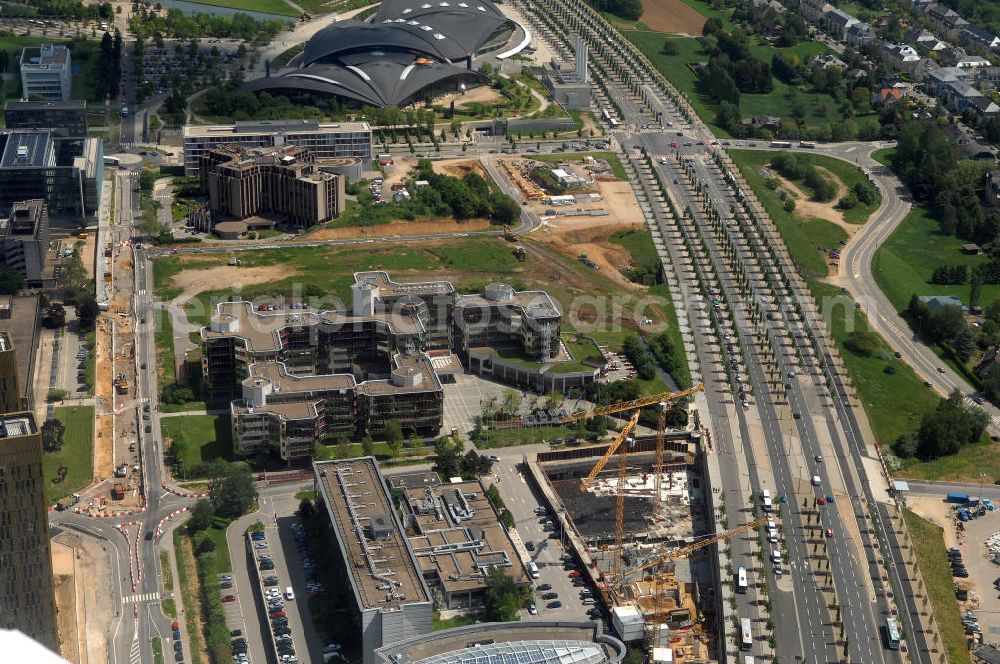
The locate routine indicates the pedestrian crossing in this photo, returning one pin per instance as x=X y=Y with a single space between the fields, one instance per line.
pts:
x=145 y=597
x=141 y=291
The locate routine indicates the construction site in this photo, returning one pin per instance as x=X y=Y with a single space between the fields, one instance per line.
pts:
x=637 y=515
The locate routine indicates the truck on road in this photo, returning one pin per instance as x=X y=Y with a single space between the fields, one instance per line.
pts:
x=958 y=498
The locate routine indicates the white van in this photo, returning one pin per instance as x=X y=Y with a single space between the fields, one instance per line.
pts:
x=289 y=595
x=533 y=570
x=816 y=480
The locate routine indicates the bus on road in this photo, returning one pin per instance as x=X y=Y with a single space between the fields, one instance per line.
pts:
x=781 y=144
x=111 y=161
x=741 y=580
x=807 y=144
x=892 y=634
x=746 y=638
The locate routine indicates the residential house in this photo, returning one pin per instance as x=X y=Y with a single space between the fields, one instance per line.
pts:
x=891 y=92
x=947 y=19
x=925 y=40
x=937 y=79
x=903 y=57
x=813 y=10
x=935 y=302
x=983 y=106
x=826 y=60
x=860 y=34
x=983 y=38
x=991 y=194
x=837 y=21
x=957 y=56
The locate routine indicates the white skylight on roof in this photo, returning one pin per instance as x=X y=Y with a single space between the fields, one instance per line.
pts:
x=407 y=10
x=438 y=35
x=426 y=27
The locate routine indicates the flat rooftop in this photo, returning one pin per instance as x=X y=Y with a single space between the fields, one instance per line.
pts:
x=256 y=127
x=405 y=365
x=460 y=537
x=535 y=304
x=388 y=287
x=14 y=425
x=25 y=149
x=68 y=105
x=384 y=574
x=260 y=329
x=44 y=56
x=285 y=383
x=22 y=330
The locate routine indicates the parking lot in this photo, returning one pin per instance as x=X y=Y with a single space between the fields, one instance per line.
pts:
x=548 y=552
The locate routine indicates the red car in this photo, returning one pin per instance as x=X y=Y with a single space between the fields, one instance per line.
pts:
x=822 y=500
x=175 y=625
x=574 y=574
x=277 y=614
x=229 y=598
x=829 y=532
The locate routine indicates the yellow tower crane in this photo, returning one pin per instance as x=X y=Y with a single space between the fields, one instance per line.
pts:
x=662 y=399
x=685 y=551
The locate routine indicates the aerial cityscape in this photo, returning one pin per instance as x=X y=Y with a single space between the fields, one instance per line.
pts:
x=500 y=331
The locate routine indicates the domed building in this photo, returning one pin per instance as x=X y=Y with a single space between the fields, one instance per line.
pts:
x=411 y=50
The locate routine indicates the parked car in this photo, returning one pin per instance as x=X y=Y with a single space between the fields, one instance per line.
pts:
x=554 y=605
x=229 y=598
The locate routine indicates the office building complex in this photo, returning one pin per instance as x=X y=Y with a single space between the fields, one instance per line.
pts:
x=66 y=173
x=46 y=72
x=27 y=602
x=302 y=375
x=456 y=537
x=324 y=141
x=24 y=241
x=385 y=590
x=65 y=119
x=246 y=182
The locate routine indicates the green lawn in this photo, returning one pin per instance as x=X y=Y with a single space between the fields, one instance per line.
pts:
x=447 y=623
x=196 y=439
x=190 y=591
x=803 y=237
x=157 y=649
x=77 y=453
x=639 y=244
x=279 y=7
x=168 y=579
x=894 y=403
x=884 y=156
x=904 y=263
x=169 y=607
x=849 y=175
x=306 y=495
x=164 y=339
x=929 y=547
x=821 y=107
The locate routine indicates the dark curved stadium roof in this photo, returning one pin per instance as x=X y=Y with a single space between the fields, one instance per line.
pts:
x=408 y=46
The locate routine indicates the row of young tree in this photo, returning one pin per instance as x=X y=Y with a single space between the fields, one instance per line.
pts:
x=178 y=25
x=109 y=66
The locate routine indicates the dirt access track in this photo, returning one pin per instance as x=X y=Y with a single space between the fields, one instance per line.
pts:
x=593 y=239
x=193 y=280
x=672 y=16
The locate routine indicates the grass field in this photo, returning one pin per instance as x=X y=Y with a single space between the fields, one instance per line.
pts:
x=77 y=453
x=822 y=107
x=168 y=579
x=157 y=647
x=802 y=237
x=928 y=545
x=169 y=607
x=190 y=592
x=893 y=402
x=277 y=7
x=884 y=156
x=469 y=263
x=903 y=265
x=164 y=339
x=447 y=623
x=198 y=438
